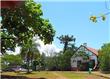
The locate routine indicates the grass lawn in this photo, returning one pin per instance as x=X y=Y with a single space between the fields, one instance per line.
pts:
x=41 y=74
x=56 y=75
x=80 y=75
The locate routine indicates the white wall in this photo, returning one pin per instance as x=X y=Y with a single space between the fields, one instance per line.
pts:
x=74 y=61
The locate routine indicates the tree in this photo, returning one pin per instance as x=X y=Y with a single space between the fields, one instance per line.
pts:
x=29 y=53
x=39 y=63
x=61 y=60
x=51 y=63
x=23 y=23
x=65 y=39
x=8 y=61
x=104 y=57
x=42 y=58
x=64 y=59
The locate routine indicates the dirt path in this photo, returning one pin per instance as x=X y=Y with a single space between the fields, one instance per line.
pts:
x=59 y=76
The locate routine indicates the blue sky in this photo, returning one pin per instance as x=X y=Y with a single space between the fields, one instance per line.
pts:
x=72 y=17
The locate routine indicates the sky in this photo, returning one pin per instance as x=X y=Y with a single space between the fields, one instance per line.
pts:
x=71 y=0
x=72 y=17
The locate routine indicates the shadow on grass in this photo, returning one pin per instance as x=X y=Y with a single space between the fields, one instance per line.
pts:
x=17 y=77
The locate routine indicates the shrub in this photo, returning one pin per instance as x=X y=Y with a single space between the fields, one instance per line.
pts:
x=104 y=57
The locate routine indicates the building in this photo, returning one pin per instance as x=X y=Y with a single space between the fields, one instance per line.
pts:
x=84 y=58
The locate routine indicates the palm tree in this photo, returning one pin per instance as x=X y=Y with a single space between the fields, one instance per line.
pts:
x=65 y=39
x=29 y=54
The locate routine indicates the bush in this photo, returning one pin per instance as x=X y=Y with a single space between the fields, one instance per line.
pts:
x=104 y=57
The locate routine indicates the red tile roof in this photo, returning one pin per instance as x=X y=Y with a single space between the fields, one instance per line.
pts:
x=93 y=50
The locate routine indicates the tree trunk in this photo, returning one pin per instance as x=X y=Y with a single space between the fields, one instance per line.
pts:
x=28 y=63
x=65 y=46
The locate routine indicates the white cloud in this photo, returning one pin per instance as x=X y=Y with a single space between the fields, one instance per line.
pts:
x=48 y=49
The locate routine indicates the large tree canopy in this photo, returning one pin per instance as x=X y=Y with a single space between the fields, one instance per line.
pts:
x=19 y=25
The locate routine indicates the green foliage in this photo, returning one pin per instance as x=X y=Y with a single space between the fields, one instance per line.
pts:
x=104 y=57
x=42 y=61
x=50 y=63
x=60 y=61
x=64 y=60
x=10 y=61
x=29 y=53
x=23 y=23
x=39 y=63
x=66 y=39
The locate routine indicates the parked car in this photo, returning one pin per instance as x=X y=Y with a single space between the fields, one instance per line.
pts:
x=7 y=69
x=16 y=69
x=19 y=69
x=22 y=69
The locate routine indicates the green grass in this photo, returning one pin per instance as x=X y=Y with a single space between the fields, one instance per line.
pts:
x=41 y=74
x=80 y=75
x=56 y=75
